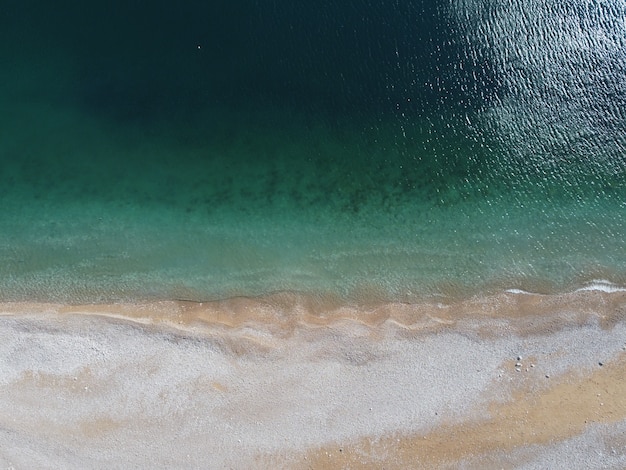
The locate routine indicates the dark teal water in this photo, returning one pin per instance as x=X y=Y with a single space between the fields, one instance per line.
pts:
x=390 y=149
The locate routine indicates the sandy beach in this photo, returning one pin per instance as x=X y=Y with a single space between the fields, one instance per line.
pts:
x=313 y=235
x=516 y=380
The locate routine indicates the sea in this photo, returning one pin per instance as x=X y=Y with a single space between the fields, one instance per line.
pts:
x=374 y=150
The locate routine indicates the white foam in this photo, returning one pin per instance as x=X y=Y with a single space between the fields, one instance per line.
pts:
x=602 y=285
x=518 y=291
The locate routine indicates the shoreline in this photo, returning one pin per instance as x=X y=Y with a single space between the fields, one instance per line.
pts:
x=513 y=380
x=524 y=312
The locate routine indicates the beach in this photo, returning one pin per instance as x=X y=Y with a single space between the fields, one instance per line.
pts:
x=312 y=235
x=516 y=380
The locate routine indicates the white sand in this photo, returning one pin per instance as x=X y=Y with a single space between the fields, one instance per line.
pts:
x=86 y=390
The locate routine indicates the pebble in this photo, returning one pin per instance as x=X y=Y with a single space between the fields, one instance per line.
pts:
x=519 y=358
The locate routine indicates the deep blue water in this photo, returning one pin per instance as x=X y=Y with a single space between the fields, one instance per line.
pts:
x=389 y=149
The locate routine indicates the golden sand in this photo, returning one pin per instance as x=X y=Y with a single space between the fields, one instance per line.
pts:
x=561 y=410
x=282 y=313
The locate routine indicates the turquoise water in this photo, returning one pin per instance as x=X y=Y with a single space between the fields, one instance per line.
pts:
x=396 y=151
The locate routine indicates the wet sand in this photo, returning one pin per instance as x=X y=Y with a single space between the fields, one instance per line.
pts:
x=515 y=380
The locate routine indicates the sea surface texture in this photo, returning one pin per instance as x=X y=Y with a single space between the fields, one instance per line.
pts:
x=370 y=150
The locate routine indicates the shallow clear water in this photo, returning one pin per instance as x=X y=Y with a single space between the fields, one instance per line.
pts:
x=395 y=151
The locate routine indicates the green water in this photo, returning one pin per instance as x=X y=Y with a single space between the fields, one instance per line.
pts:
x=203 y=160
